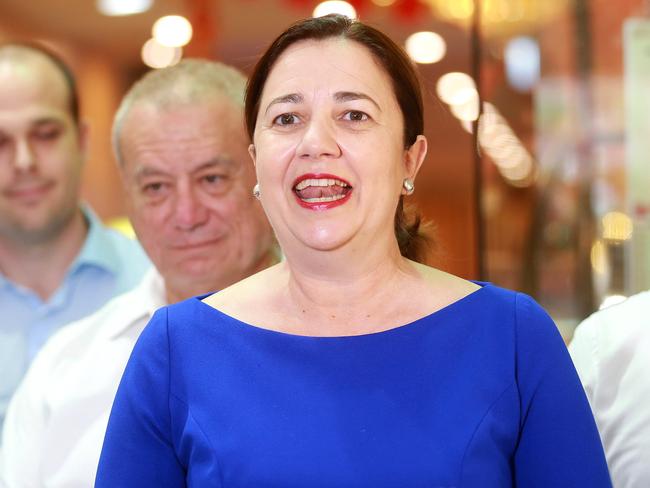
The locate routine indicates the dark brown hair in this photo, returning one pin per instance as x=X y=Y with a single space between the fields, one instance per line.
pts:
x=392 y=58
x=59 y=64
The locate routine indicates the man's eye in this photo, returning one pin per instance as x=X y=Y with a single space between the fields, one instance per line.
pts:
x=355 y=116
x=212 y=178
x=47 y=134
x=286 y=119
x=152 y=188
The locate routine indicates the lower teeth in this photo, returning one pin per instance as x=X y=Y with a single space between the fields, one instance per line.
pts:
x=323 y=199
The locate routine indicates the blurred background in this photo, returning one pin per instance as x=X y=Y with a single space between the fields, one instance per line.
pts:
x=537 y=115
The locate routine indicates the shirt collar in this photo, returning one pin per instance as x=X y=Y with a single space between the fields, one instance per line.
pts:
x=139 y=304
x=98 y=248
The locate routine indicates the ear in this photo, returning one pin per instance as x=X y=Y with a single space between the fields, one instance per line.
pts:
x=83 y=132
x=252 y=153
x=414 y=157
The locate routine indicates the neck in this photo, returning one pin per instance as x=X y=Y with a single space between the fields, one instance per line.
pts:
x=346 y=286
x=41 y=267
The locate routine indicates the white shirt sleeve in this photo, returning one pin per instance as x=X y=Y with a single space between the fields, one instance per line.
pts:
x=24 y=425
x=611 y=353
x=584 y=353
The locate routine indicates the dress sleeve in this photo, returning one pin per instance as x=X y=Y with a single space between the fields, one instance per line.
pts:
x=138 y=448
x=559 y=444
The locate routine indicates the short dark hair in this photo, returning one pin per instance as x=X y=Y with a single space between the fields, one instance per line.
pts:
x=59 y=64
x=406 y=87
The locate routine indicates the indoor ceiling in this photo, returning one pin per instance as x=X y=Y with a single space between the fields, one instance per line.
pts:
x=240 y=29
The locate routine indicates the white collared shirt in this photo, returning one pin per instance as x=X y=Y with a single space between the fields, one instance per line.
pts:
x=611 y=351
x=56 y=421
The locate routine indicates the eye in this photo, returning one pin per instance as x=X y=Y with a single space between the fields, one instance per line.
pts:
x=212 y=179
x=355 y=116
x=286 y=119
x=47 y=133
x=153 y=189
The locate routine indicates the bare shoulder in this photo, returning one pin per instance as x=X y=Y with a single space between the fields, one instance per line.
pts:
x=444 y=286
x=253 y=293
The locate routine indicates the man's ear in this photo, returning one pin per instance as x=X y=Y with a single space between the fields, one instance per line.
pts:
x=83 y=135
x=414 y=157
x=252 y=153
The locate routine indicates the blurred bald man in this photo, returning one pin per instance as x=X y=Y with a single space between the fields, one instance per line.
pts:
x=57 y=262
x=180 y=140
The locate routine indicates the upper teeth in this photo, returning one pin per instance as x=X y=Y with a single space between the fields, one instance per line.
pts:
x=319 y=182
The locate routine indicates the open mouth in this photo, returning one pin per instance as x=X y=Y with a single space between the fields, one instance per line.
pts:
x=321 y=190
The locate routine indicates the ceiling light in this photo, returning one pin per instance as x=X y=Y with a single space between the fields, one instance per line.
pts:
x=456 y=88
x=172 y=30
x=155 y=55
x=123 y=7
x=335 y=7
x=426 y=47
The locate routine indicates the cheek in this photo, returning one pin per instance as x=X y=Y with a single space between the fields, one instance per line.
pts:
x=148 y=220
x=274 y=156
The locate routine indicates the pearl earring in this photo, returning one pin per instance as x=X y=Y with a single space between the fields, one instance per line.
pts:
x=256 y=191
x=408 y=186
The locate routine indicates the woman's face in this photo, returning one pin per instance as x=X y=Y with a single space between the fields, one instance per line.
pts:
x=329 y=148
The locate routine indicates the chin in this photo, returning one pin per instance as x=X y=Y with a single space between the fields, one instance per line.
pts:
x=198 y=268
x=325 y=241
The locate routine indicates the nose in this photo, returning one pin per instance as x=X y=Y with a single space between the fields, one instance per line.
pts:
x=24 y=156
x=190 y=213
x=319 y=140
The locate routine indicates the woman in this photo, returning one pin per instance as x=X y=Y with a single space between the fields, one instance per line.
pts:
x=347 y=365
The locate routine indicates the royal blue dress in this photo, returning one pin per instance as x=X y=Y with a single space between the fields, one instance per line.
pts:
x=479 y=394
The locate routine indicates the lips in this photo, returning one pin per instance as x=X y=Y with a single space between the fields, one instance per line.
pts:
x=188 y=246
x=321 y=191
x=29 y=193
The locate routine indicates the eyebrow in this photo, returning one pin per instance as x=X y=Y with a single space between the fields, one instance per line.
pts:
x=47 y=120
x=347 y=96
x=344 y=96
x=290 y=98
x=146 y=171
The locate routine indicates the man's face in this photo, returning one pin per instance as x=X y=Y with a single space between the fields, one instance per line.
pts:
x=188 y=181
x=41 y=151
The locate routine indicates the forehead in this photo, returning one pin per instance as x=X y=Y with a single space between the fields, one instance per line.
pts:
x=31 y=83
x=336 y=64
x=183 y=135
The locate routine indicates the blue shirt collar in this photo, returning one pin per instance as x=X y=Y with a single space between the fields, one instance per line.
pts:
x=97 y=249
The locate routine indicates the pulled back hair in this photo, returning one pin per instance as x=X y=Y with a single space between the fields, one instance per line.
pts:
x=413 y=242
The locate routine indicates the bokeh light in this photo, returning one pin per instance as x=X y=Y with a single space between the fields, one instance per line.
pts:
x=123 y=7
x=172 y=31
x=456 y=88
x=617 y=226
x=155 y=55
x=335 y=7
x=426 y=47
x=522 y=62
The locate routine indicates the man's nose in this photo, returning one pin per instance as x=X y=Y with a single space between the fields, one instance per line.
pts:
x=190 y=212
x=24 y=155
x=319 y=140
